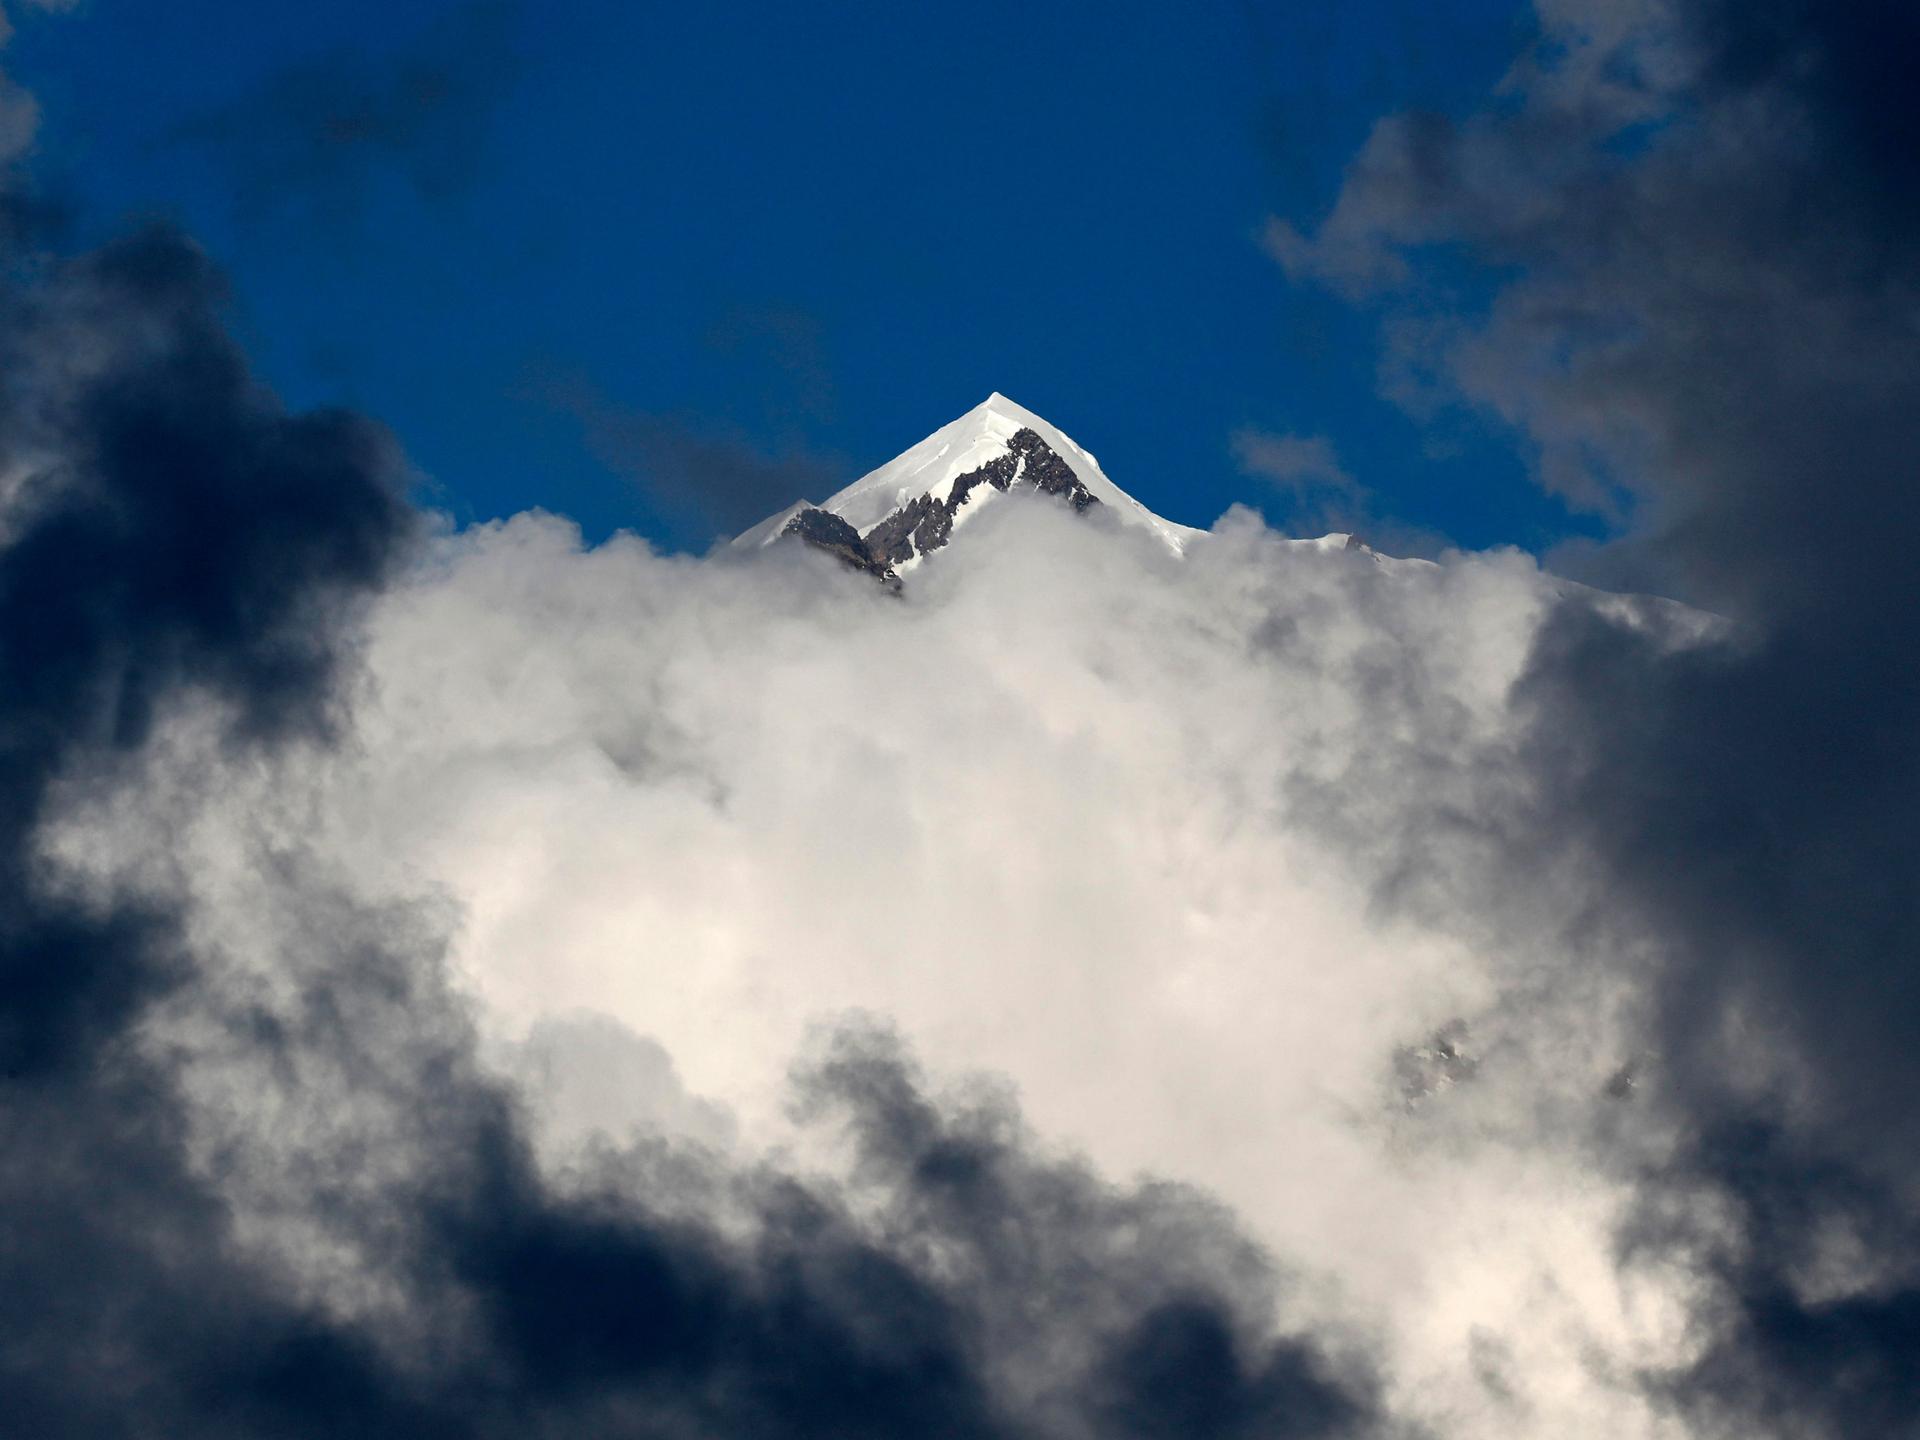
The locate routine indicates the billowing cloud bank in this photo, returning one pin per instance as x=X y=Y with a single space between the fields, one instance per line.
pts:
x=1101 y=824
x=1694 y=223
x=462 y=983
x=261 y=1175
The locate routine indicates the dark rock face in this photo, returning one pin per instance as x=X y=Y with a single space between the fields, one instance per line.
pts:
x=924 y=524
x=913 y=529
x=827 y=531
x=1048 y=473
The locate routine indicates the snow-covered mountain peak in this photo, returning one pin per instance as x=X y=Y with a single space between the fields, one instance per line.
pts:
x=893 y=516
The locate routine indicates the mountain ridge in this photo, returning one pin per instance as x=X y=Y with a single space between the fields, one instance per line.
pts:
x=891 y=518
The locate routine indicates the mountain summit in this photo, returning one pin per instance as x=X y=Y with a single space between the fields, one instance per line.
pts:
x=891 y=518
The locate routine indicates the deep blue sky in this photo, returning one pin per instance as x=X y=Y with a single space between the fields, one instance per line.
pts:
x=563 y=249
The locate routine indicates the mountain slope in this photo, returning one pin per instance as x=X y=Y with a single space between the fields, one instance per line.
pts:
x=909 y=507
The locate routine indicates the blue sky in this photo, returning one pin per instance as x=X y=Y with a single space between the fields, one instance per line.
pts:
x=564 y=250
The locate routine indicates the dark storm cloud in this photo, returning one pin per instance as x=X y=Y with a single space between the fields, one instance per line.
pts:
x=703 y=476
x=715 y=473
x=1694 y=227
x=167 y=530
x=315 y=136
x=170 y=539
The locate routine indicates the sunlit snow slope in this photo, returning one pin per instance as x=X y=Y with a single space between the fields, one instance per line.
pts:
x=895 y=515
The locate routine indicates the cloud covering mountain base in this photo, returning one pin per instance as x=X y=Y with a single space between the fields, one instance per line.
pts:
x=261 y=1176
x=1100 y=833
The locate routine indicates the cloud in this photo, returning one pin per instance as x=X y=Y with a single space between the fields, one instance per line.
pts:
x=6 y=25
x=1058 y=813
x=1300 y=463
x=263 y=1172
x=702 y=475
x=169 y=533
x=1306 y=994
x=260 y=1172
x=1302 y=467
x=330 y=830
x=19 y=112
x=319 y=135
x=706 y=474
x=1695 y=222
x=1321 y=497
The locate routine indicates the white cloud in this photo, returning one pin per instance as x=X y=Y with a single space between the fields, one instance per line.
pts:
x=1063 y=812
x=1298 y=463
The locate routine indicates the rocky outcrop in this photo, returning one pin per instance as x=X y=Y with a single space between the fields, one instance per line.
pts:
x=924 y=524
x=826 y=531
x=1048 y=473
x=915 y=528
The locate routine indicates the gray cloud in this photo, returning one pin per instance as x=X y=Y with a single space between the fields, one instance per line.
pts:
x=306 y=824
x=1306 y=471
x=314 y=137
x=19 y=111
x=1300 y=463
x=704 y=476
x=258 y=1177
x=1696 y=221
x=1059 y=812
